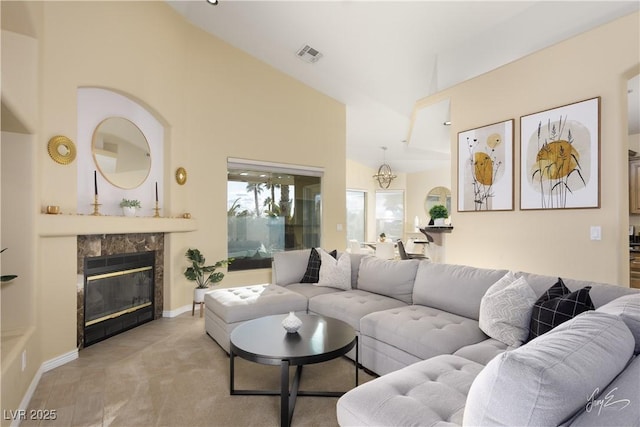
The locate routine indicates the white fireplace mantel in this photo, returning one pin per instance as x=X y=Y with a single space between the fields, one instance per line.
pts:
x=78 y=225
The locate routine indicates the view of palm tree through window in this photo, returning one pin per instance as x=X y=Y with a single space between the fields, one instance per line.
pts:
x=270 y=211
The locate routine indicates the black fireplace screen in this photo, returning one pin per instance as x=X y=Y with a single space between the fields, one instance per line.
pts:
x=119 y=294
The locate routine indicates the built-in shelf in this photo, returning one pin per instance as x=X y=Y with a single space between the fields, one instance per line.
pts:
x=439 y=228
x=79 y=225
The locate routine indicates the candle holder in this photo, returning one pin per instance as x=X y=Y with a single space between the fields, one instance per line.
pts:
x=156 y=211
x=96 y=206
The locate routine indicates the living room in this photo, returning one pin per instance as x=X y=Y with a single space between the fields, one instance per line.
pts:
x=215 y=103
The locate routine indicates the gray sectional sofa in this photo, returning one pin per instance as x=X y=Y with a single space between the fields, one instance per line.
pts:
x=418 y=327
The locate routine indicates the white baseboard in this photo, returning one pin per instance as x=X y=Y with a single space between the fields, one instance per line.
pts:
x=177 y=312
x=59 y=361
x=45 y=367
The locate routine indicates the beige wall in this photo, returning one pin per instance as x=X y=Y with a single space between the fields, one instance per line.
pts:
x=215 y=102
x=634 y=144
x=597 y=63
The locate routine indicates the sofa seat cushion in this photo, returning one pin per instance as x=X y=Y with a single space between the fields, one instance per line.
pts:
x=351 y=306
x=250 y=302
x=421 y=331
x=483 y=351
x=428 y=393
x=617 y=404
x=547 y=380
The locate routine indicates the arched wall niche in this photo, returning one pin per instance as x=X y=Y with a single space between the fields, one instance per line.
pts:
x=94 y=106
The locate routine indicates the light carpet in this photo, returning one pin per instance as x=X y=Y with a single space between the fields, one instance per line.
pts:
x=169 y=372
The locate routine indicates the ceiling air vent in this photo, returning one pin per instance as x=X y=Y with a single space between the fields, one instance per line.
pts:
x=309 y=54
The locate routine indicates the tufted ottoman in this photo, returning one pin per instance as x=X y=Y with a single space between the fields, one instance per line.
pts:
x=229 y=307
x=432 y=392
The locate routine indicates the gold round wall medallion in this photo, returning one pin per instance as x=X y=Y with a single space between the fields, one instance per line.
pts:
x=181 y=175
x=61 y=149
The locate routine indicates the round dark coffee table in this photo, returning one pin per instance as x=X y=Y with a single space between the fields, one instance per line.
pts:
x=265 y=341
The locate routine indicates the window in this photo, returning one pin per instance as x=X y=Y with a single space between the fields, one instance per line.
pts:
x=356 y=215
x=270 y=208
x=390 y=213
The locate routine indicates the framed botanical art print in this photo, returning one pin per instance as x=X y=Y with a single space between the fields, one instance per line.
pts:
x=485 y=168
x=560 y=157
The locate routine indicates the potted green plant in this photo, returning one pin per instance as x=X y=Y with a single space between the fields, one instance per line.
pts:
x=204 y=275
x=438 y=214
x=383 y=237
x=129 y=206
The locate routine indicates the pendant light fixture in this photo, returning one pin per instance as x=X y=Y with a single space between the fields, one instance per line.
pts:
x=385 y=174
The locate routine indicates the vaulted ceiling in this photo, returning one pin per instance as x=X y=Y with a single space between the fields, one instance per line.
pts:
x=380 y=57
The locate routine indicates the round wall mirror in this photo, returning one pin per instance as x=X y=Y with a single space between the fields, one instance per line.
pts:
x=438 y=196
x=121 y=152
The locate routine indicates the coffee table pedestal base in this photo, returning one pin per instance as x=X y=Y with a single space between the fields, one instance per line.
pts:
x=287 y=396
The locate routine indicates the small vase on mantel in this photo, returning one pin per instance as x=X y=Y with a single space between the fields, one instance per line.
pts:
x=129 y=211
x=291 y=323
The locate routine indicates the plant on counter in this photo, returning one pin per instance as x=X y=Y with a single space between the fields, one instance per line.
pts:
x=202 y=274
x=438 y=214
x=438 y=211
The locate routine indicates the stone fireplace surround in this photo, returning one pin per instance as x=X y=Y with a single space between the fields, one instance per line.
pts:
x=113 y=244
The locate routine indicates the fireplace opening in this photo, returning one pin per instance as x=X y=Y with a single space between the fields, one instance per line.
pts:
x=118 y=294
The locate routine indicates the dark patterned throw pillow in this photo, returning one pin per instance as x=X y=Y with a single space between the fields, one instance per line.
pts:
x=557 y=305
x=312 y=275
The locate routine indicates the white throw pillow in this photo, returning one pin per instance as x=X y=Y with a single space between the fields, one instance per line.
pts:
x=505 y=310
x=335 y=273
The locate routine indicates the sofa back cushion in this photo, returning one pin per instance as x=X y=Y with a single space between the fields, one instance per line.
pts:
x=457 y=289
x=628 y=308
x=289 y=266
x=388 y=277
x=600 y=293
x=547 y=380
x=616 y=405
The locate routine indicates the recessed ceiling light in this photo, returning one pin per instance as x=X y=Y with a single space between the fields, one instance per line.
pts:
x=213 y=2
x=244 y=173
x=447 y=123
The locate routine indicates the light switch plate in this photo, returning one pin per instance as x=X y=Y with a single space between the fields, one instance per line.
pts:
x=596 y=232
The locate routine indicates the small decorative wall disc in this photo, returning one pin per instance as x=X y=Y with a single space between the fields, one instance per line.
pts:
x=181 y=175
x=61 y=149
